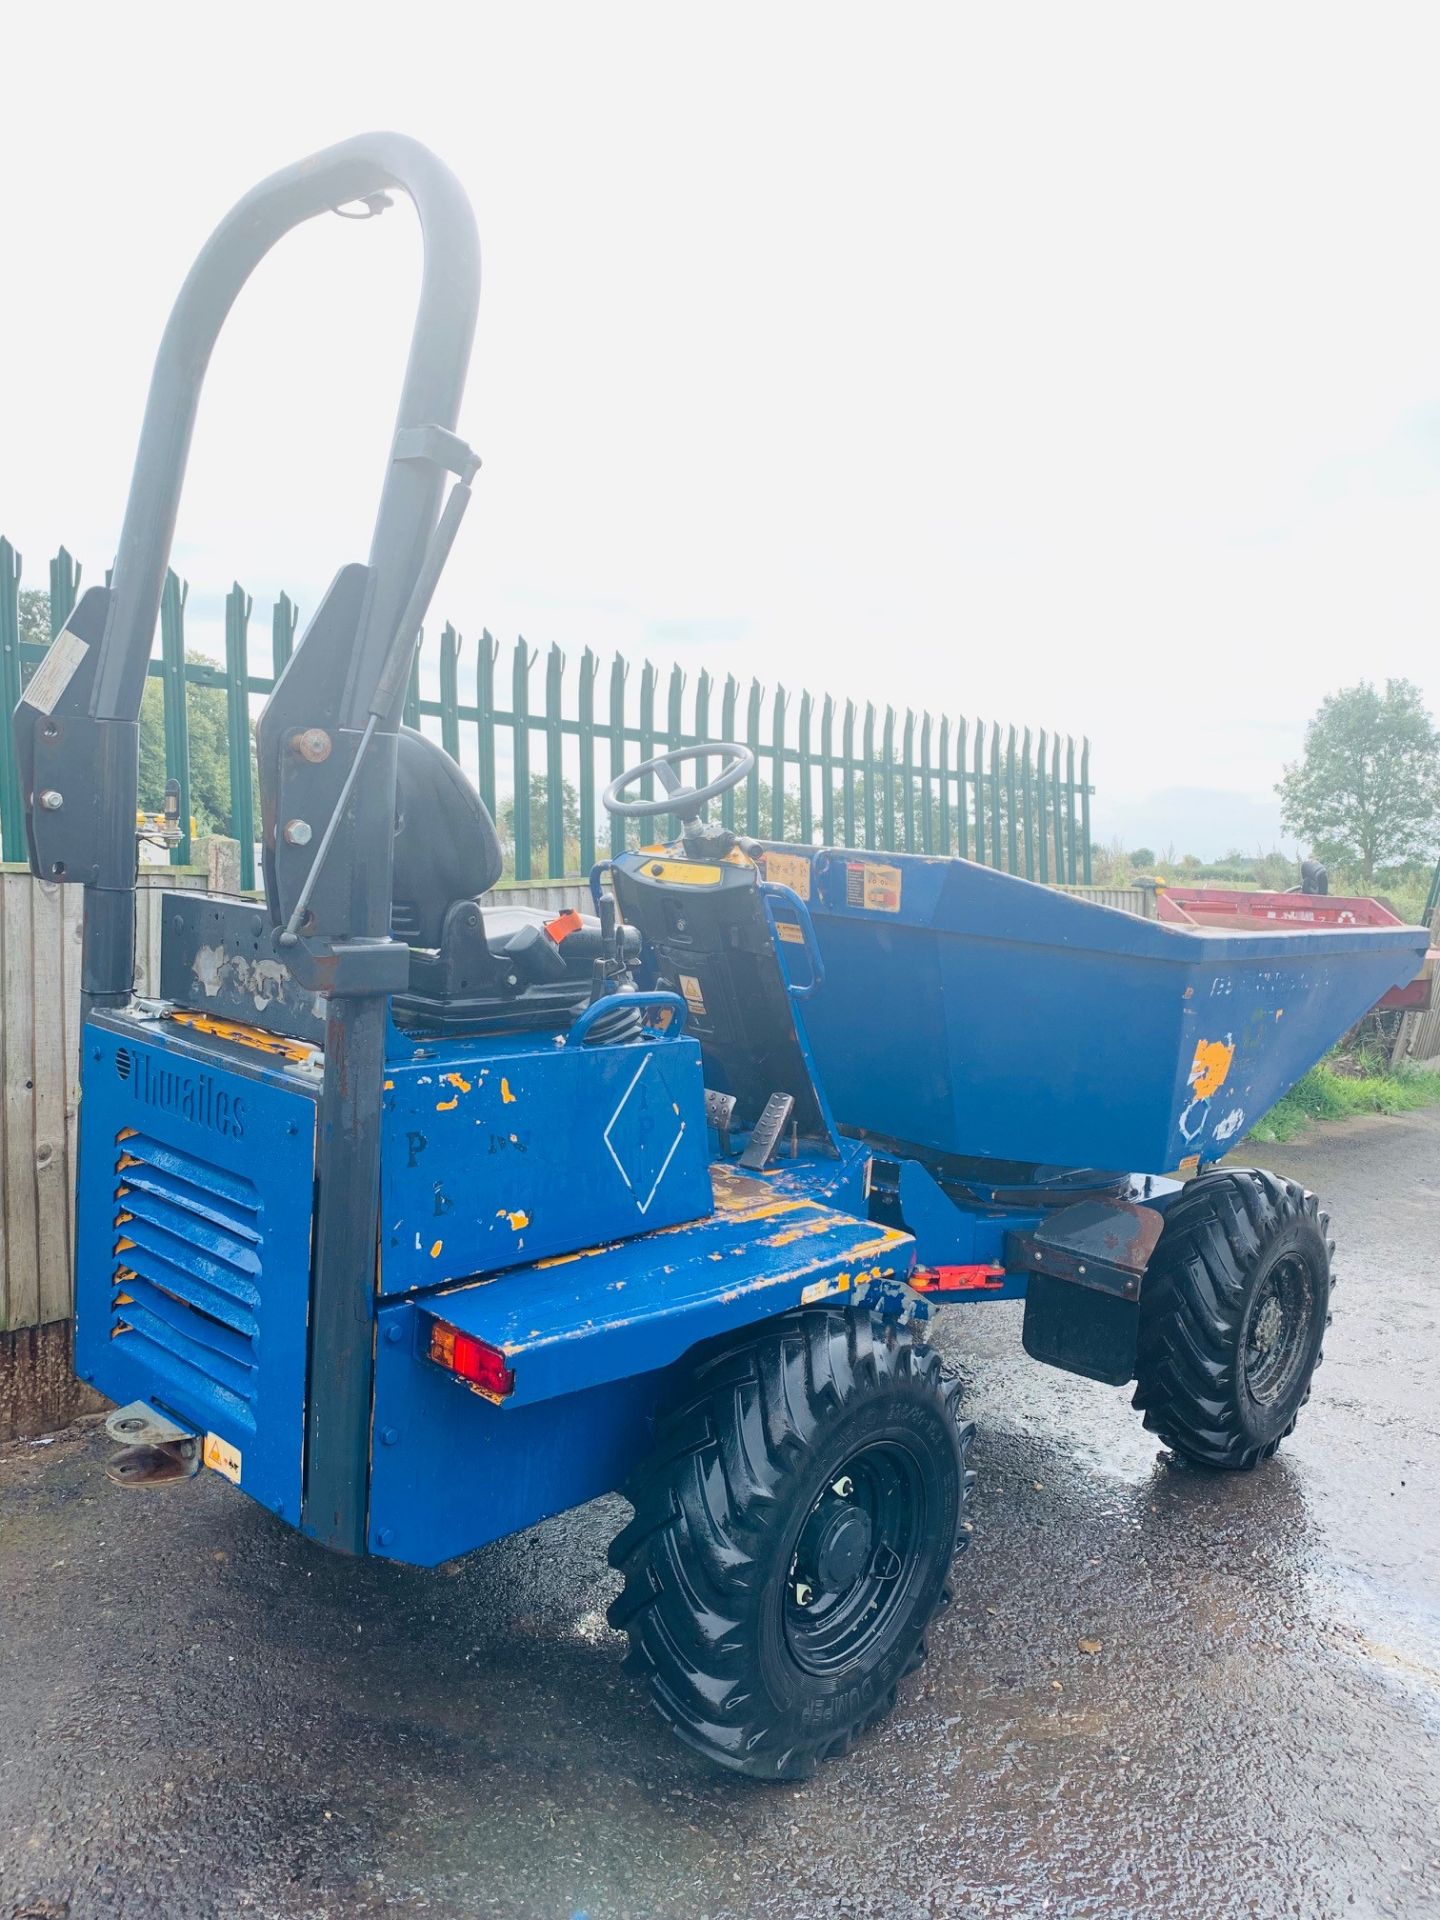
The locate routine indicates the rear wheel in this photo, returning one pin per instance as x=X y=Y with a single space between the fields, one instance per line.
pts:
x=1233 y=1311
x=792 y=1535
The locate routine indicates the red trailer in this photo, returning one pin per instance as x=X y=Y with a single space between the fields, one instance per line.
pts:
x=1262 y=912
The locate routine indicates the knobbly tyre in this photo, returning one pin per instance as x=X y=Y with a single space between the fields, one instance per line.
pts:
x=420 y=1221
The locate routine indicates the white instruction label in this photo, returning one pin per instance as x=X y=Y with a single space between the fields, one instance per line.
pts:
x=55 y=671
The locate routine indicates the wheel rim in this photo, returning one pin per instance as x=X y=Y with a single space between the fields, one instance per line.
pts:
x=856 y=1560
x=1277 y=1328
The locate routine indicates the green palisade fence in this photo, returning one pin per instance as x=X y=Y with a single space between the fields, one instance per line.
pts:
x=826 y=769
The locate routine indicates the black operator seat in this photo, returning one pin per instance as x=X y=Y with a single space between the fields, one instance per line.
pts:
x=447 y=850
x=446 y=846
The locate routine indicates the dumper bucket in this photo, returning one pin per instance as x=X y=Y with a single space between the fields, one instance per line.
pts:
x=965 y=1012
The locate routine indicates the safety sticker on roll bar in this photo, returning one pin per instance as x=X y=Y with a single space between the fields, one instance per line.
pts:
x=55 y=671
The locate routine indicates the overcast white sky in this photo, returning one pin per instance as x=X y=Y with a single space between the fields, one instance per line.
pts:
x=1075 y=365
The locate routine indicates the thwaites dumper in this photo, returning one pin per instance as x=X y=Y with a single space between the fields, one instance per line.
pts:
x=420 y=1221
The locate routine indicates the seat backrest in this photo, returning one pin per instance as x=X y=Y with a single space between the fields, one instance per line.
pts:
x=446 y=846
x=712 y=944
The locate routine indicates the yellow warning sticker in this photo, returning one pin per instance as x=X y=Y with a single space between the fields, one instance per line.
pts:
x=791 y=870
x=790 y=933
x=220 y=1455
x=881 y=887
x=690 y=987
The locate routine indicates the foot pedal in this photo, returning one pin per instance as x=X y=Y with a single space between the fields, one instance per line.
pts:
x=766 y=1132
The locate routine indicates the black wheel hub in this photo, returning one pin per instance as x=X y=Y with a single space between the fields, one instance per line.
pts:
x=1276 y=1336
x=841 y=1550
x=856 y=1559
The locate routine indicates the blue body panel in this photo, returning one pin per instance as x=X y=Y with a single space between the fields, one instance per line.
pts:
x=589 y=1338
x=497 y=1152
x=193 y=1240
x=193 y=1284
x=971 y=1013
x=641 y=1303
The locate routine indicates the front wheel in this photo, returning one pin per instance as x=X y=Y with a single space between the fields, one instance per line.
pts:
x=1233 y=1311
x=793 y=1530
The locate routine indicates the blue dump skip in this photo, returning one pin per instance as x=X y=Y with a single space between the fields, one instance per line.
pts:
x=972 y=1013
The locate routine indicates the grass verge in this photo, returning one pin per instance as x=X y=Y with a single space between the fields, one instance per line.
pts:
x=1329 y=1093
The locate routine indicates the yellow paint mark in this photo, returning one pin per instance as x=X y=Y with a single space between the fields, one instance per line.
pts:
x=389 y=1086
x=517 y=1219
x=823 y=1289
x=1210 y=1067
x=435 y=1250
x=447 y=1106
x=806 y=1229
x=507 y=1098
x=456 y=1080
x=299 y=1052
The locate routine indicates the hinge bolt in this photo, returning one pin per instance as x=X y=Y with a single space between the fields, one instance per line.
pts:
x=297 y=833
x=313 y=744
x=51 y=800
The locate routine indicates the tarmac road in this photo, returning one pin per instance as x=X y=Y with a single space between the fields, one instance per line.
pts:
x=200 y=1715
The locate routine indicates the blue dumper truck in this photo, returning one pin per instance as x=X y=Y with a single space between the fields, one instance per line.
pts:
x=420 y=1220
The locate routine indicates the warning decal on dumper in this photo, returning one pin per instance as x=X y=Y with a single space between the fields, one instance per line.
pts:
x=872 y=884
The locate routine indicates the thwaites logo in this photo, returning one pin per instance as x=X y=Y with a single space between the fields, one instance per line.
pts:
x=190 y=1096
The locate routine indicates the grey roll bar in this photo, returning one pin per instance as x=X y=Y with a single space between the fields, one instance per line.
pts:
x=434 y=381
x=78 y=743
x=77 y=735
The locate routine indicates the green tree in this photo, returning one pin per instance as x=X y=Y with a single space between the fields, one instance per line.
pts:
x=208 y=725
x=540 y=829
x=1366 y=792
x=34 y=617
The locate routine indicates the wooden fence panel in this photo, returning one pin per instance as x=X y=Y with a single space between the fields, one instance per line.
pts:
x=39 y=1075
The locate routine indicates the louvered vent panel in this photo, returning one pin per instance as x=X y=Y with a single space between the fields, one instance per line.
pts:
x=188 y=1277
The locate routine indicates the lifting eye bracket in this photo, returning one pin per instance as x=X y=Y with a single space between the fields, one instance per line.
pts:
x=373 y=203
x=437 y=447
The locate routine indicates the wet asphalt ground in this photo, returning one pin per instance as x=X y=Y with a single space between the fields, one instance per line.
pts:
x=201 y=1715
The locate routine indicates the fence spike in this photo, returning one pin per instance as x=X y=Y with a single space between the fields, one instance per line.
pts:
x=1038 y=813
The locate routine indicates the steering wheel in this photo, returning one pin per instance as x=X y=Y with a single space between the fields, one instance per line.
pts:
x=677 y=798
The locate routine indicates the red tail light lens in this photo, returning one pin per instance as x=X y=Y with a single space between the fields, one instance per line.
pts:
x=482 y=1367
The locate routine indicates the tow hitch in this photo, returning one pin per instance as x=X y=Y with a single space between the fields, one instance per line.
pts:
x=153 y=1450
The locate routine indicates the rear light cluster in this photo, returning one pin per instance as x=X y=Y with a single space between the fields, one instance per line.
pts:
x=473 y=1361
